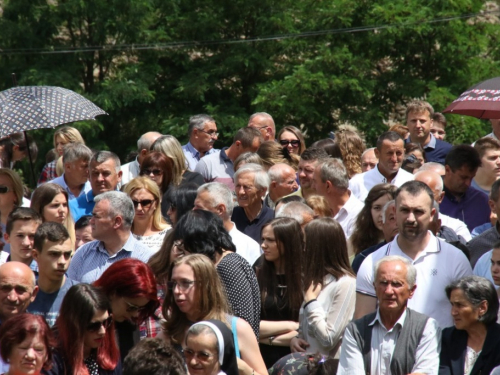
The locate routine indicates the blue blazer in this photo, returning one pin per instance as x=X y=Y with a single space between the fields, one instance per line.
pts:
x=454 y=348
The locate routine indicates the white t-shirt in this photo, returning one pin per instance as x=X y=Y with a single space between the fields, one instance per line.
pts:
x=246 y=246
x=362 y=183
x=437 y=266
x=458 y=226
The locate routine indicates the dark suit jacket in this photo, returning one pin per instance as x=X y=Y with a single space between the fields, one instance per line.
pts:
x=454 y=347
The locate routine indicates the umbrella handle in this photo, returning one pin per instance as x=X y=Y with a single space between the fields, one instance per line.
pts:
x=29 y=157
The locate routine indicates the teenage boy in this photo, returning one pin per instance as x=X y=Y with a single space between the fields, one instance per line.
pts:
x=52 y=250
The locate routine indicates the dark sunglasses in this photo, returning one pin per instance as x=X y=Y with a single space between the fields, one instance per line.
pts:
x=156 y=172
x=96 y=326
x=144 y=203
x=4 y=189
x=295 y=143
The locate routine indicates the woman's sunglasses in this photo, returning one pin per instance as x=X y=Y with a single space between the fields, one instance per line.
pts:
x=145 y=203
x=295 y=143
x=147 y=172
x=96 y=326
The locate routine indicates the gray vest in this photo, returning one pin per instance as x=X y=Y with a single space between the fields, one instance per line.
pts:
x=403 y=358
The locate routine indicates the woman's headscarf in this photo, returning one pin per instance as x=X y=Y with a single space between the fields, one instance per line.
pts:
x=225 y=345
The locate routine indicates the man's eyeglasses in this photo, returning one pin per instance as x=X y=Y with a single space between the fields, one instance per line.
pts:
x=96 y=326
x=4 y=189
x=295 y=143
x=134 y=308
x=183 y=285
x=211 y=133
x=145 y=203
x=147 y=172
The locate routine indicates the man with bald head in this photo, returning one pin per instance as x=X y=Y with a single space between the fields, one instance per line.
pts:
x=283 y=182
x=131 y=170
x=435 y=182
x=264 y=123
x=368 y=160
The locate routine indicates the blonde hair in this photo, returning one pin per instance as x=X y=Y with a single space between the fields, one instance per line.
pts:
x=296 y=132
x=272 y=153
x=17 y=184
x=69 y=135
x=170 y=146
x=59 y=166
x=43 y=195
x=148 y=184
x=319 y=205
x=352 y=146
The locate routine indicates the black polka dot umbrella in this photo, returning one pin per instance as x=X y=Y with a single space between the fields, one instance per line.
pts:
x=26 y=108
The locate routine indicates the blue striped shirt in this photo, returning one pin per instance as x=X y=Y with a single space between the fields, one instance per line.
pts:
x=92 y=259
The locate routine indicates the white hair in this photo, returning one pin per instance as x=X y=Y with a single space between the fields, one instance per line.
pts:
x=411 y=271
x=219 y=194
x=295 y=210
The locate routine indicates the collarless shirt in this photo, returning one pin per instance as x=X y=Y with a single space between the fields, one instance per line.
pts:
x=245 y=246
x=348 y=213
x=92 y=259
x=252 y=228
x=472 y=207
x=83 y=205
x=362 y=183
x=438 y=264
x=62 y=183
x=193 y=155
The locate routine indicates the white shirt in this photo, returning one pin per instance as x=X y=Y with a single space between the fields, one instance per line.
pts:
x=483 y=267
x=458 y=226
x=437 y=266
x=362 y=183
x=322 y=322
x=246 y=246
x=348 y=213
x=130 y=171
x=382 y=347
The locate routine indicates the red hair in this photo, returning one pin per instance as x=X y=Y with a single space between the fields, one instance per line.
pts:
x=131 y=278
x=81 y=303
x=17 y=328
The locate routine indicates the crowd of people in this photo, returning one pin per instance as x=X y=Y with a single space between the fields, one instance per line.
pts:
x=265 y=256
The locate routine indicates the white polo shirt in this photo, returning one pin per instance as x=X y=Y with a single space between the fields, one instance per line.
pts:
x=348 y=214
x=437 y=266
x=246 y=246
x=362 y=183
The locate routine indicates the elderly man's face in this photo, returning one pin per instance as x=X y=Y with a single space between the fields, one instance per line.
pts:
x=247 y=193
x=102 y=223
x=17 y=291
x=391 y=287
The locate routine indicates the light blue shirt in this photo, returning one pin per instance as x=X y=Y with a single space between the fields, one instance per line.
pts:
x=483 y=266
x=92 y=259
x=83 y=205
x=62 y=183
x=193 y=155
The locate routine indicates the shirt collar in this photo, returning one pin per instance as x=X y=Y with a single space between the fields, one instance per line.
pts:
x=223 y=155
x=193 y=151
x=378 y=320
x=127 y=246
x=432 y=142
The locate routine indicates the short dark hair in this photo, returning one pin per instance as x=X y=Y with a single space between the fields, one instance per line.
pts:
x=22 y=213
x=485 y=144
x=83 y=222
x=477 y=289
x=463 y=155
x=49 y=231
x=415 y=188
x=153 y=356
x=439 y=117
x=388 y=136
x=314 y=153
x=246 y=136
x=102 y=156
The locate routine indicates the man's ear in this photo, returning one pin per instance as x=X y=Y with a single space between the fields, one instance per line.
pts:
x=35 y=254
x=412 y=290
x=6 y=237
x=377 y=153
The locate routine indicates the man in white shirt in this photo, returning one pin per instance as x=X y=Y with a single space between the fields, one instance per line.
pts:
x=283 y=182
x=217 y=198
x=394 y=339
x=435 y=183
x=390 y=152
x=437 y=262
x=131 y=170
x=332 y=182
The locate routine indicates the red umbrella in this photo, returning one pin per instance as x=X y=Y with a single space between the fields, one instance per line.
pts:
x=481 y=101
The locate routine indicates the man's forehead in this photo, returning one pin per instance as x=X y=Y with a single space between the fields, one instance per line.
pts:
x=421 y=113
x=405 y=199
x=391 y=269
x=246 y=177
x=308 y=163
x=64 y=245
x=495 y=255
x=108 y=164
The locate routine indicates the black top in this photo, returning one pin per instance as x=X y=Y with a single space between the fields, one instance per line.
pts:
x=358 y=259
x=254 y=227
x=187 y=177
x=276 y=309
x=128 y=335
x=242 y=288
x=59 y=367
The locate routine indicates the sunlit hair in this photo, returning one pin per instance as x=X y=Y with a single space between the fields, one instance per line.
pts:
x=319 y=205
x=295 y=131
x=486 y=144
x=247 y=157
x=81 y=303
x=18 y=328
x=365 y=232
x=290 y=243
x=272 y=153
x=43 y=196
x=160 y=261
x=131 y=278
x=170 y=146
x=21 y=214
x=326 y=249
x=329 y=146
x=209 y=292
x=402 y=130
x=68 y=134
x=17 y=184
x=419 y=106
x=352 y=145
x=22 y=141
x=148 y=184
x=411 y=146
x=161 y=161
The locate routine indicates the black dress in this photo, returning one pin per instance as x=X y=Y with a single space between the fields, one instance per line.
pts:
x=275 y=309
